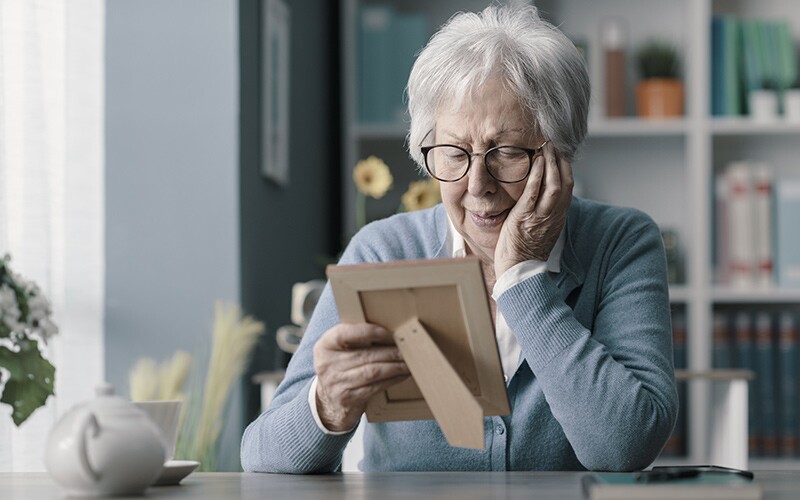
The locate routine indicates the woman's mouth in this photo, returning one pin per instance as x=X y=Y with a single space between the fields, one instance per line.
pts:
x=488 y=219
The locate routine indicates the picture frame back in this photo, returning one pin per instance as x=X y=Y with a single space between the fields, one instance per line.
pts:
x=448 y=297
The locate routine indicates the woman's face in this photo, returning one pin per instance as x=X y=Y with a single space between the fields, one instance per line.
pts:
x=478 y=204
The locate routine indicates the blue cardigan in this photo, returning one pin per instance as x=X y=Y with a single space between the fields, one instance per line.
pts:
x=595 y=388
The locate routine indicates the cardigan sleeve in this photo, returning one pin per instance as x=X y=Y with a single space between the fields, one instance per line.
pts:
x=611 y=387
x=286 y=438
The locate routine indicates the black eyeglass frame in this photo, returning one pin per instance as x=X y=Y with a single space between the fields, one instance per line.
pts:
x=532 y=153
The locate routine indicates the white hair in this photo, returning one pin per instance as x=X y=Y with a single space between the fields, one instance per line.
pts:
x=536 y=62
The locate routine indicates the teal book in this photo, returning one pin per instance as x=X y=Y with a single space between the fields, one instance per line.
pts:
x=744 y=346
x=788 y=352
x=676 y=444
x=733 y=92
x=408 y=35
x=705 y=486
x=766 y=53
x=374 y=64
x=751 y=60
x=722 y=345
x=787 y=54
x=717 y=59
x=766 y=378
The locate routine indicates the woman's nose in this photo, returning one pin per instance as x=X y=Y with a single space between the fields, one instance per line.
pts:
x=479 y=180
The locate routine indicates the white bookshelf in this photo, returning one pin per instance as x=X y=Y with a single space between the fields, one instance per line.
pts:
x=664 y=167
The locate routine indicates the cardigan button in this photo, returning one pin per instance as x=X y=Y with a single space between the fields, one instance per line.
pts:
x=500 y=430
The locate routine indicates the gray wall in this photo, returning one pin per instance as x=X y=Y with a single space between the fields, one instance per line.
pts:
x=288 y=232
x=172 y=179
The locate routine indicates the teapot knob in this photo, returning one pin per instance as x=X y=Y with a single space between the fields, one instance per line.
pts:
x=87 y=424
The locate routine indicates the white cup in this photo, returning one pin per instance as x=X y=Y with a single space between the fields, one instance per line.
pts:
x=165 y=415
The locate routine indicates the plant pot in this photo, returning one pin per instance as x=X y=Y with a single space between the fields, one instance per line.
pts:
x=659 y=98
x=791 y=105
x=763 y=105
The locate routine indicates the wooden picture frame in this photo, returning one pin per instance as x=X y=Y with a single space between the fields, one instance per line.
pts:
x=439 y=313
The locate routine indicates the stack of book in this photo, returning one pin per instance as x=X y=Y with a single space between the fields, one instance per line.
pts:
x=748 y=54
x=676 y=444
x=768 y=343
x=757 y=244
x=388 y=44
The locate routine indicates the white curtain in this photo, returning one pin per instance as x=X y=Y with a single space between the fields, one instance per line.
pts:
x=51 y=192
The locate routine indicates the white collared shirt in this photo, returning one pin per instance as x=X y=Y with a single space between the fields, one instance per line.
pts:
x=507 y=343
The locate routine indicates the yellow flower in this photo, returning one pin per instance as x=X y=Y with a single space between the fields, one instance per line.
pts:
x=372 y=177
x=421 y=194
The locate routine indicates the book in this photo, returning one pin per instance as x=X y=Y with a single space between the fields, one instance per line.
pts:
x=752 y=64
x=787 y=213
x=629 y=485
x=765 y=378
x=721 y=238
x=721 y=347
x=374 y=63
x=676 y=444
x=717 y=57
x=788 y=338
x=741 y=247
x=744 y=339
x=409 y=33
x=731 y=74
x=763 y=271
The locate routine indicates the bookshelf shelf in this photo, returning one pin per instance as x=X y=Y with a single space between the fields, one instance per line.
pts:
x=666 y=168
x=785 y=464
x=636 y=127
x=722 y=295
x=380 y=131
x=679 y=293
x=747 y=126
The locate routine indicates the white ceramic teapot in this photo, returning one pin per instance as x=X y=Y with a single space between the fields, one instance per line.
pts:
x=105 y=446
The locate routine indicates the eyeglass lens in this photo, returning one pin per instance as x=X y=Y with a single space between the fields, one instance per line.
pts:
x=505 y=163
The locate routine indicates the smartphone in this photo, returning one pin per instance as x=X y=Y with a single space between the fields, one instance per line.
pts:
x=703 y=469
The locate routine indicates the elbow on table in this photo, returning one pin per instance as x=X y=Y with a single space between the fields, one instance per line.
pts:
x=632 y=452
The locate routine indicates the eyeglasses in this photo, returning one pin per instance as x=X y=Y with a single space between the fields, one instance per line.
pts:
x=508 y=164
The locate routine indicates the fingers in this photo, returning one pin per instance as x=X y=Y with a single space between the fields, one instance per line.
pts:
x=366 y=391
x=345 y=337
x=535 y=180
x=353 y=362
x=552 y=185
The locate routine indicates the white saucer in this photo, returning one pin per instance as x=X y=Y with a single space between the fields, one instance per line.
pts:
x=174 y=471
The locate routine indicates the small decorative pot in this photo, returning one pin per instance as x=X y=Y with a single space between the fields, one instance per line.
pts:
x=763 y=105
x=791 y=105
x=659 y=98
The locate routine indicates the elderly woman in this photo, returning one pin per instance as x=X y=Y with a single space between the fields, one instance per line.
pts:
x=578 y=290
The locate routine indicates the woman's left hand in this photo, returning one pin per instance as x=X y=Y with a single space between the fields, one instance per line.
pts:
x=534 y=223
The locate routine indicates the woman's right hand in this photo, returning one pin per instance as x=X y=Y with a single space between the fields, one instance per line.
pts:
x=353 y=363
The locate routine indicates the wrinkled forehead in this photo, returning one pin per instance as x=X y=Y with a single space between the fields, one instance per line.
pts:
x=484 y=112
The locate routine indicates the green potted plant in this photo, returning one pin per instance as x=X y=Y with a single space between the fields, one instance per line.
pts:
x=659 y=94
x=26 y=377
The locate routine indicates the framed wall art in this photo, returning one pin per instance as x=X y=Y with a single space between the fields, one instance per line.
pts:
x=275 y=92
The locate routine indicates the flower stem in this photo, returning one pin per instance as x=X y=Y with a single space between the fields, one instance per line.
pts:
x=361 y=210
